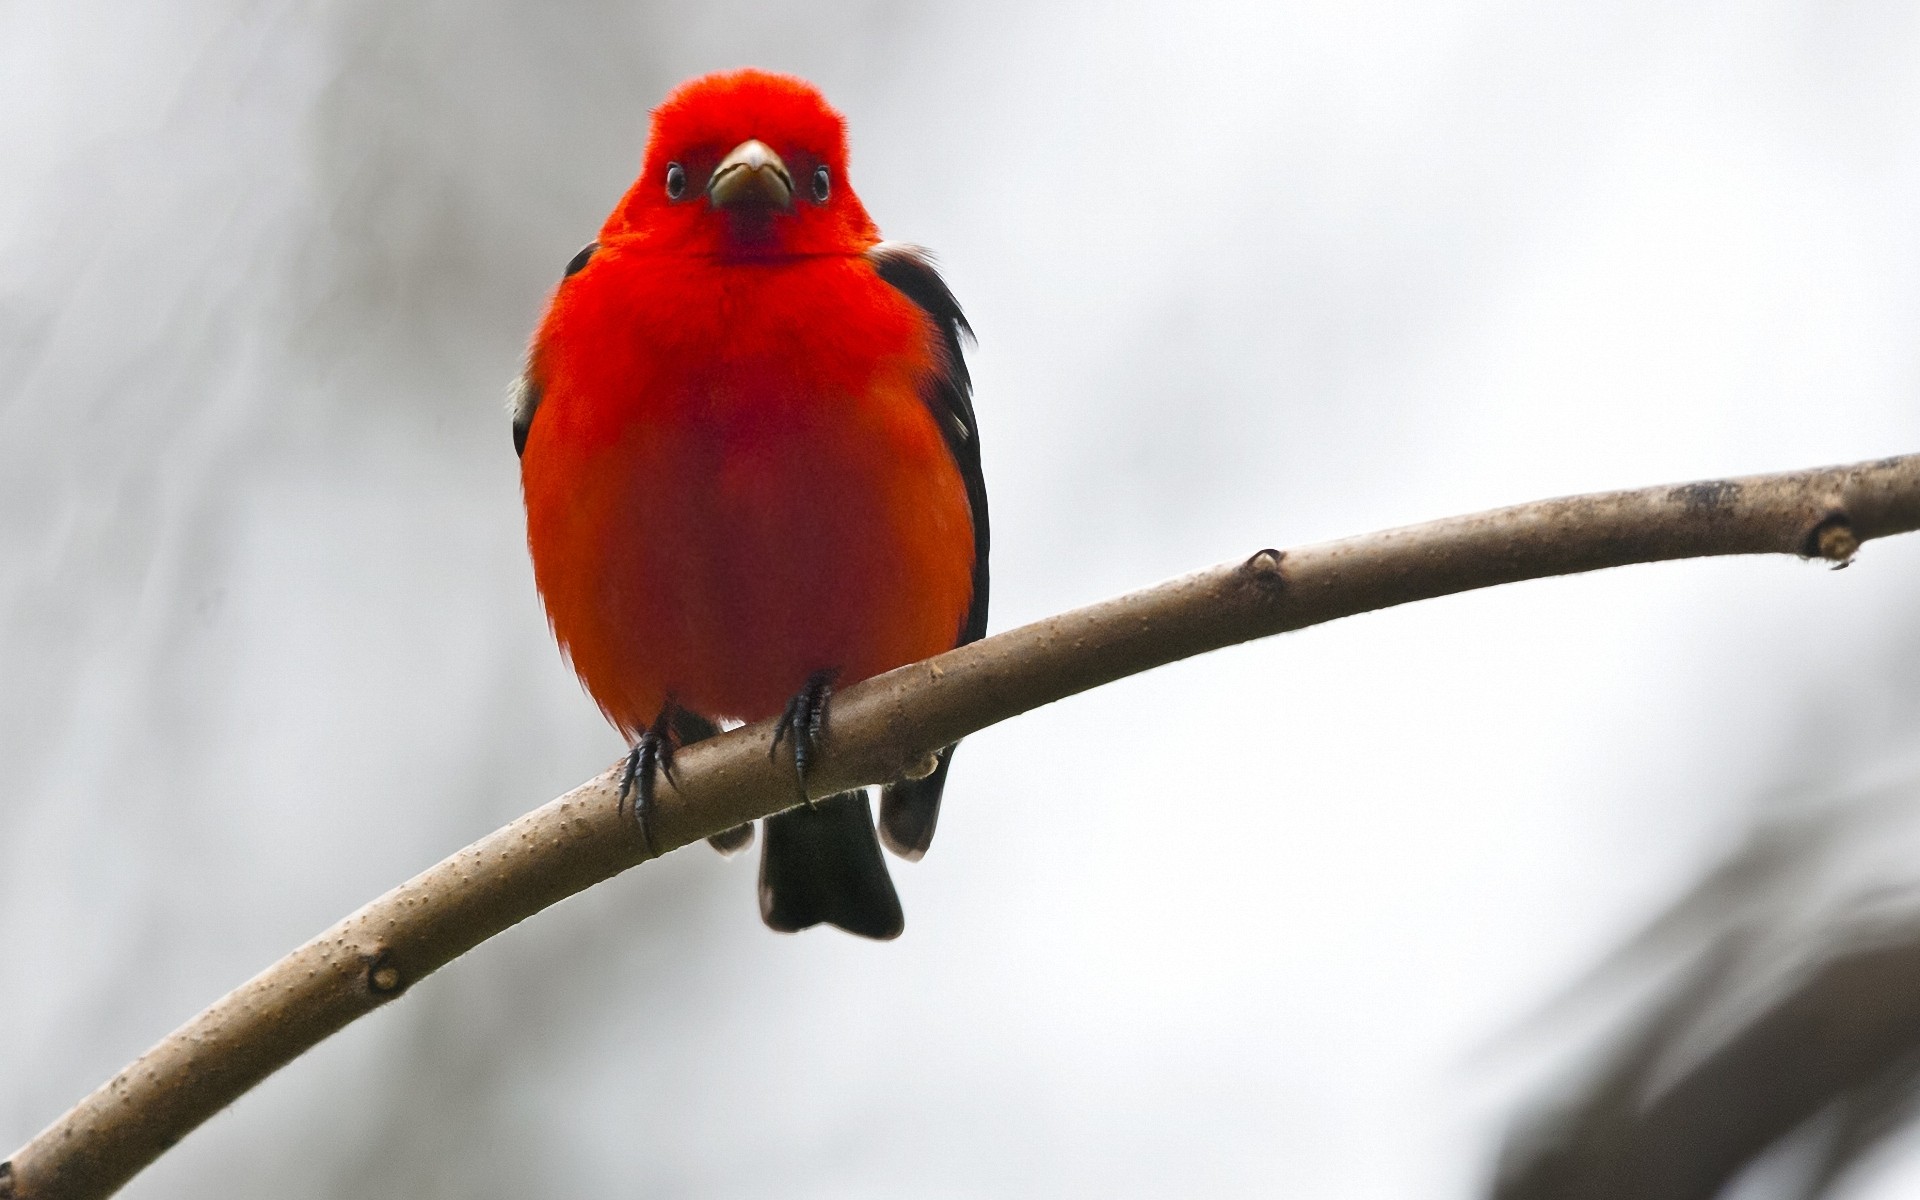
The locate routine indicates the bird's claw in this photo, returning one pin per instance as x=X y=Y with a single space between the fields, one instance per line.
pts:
x=805 y=721
x=652 y=749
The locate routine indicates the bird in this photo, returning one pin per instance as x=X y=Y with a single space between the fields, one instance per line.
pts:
x=751 y=472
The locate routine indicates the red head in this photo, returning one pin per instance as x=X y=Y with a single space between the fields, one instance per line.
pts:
x=745 y=164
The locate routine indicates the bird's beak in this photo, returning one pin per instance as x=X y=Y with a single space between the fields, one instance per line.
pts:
x=751 y=176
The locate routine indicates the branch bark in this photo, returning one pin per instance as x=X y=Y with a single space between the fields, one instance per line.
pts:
x=879 y=729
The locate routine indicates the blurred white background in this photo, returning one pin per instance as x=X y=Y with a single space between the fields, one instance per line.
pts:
x=1242 y=275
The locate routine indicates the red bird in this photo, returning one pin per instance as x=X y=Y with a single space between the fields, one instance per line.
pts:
x=751 y=469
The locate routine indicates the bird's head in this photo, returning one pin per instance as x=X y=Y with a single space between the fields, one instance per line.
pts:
x=745 y=164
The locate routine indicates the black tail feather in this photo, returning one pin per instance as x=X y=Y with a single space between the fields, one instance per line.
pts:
x=823 y=864
x=910 y=809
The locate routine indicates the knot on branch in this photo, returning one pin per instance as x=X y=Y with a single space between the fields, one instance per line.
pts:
x=1263 y=570
x=1832 y=539
x=383 y=979
x=921 y=768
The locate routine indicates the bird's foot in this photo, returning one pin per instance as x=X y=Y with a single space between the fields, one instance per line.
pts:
x=805 y=721
x=652 y=749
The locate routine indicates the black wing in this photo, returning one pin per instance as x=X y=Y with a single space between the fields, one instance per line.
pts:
x=950 y=396
x=523 y=399
x=910 y=809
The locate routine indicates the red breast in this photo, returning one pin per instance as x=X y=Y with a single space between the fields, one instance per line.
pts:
x=735 y=482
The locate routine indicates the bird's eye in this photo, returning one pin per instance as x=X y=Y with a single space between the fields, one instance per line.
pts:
x=822 y=185
x=676 y=181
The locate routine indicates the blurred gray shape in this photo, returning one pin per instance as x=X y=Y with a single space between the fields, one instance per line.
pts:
x=1787 y=1035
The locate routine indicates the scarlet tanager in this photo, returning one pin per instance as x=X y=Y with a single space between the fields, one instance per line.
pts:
x=751 y=469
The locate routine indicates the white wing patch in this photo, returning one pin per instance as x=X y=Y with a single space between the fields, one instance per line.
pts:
x=522 y=398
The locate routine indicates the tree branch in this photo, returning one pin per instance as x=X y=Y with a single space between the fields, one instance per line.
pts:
x=883 y=726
